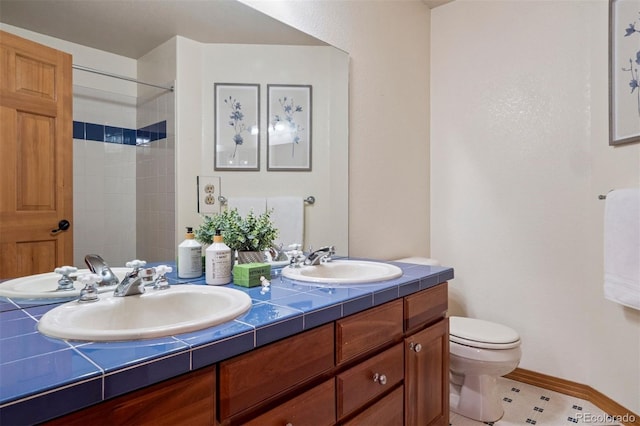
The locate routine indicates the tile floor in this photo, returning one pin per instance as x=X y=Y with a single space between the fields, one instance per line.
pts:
x=530 y=405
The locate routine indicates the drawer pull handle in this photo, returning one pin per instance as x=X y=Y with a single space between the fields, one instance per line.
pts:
x=380 y=378
x=417 y=347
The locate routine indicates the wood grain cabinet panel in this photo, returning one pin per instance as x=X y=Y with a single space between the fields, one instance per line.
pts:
x=369 y=379
x=254 y=377
x=425 y=307
x=367 y=330
x=427 y=376
x=316 y=407
x=186 y=399
x=388 y=411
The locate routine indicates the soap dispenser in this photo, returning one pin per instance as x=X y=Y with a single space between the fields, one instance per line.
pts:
x=218 y=262
x=189 y=257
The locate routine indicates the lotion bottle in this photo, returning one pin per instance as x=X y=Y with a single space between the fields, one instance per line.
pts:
x=218 y=262
x=189 y=257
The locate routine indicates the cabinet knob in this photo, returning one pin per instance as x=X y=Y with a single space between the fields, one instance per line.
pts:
x=380 y=378
x=289 y=424
x=416 y=347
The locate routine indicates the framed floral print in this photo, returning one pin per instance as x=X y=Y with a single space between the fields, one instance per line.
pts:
x=236 y=133
x=289 y=127
x=624 y=79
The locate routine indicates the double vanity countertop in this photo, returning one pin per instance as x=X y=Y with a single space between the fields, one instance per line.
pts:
x=42 y=378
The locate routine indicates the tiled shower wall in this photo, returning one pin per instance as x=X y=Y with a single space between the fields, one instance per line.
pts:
x=123 y=184
x=155 y=182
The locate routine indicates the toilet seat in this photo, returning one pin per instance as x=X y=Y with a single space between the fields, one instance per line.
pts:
x=482 y=334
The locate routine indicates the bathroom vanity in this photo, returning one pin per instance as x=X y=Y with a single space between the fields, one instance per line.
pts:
x=383 y=359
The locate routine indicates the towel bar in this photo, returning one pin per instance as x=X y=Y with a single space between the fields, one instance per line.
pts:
x=309 y=200
x=603 y=196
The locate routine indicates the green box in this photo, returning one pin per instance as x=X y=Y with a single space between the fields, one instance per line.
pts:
x=248 y=274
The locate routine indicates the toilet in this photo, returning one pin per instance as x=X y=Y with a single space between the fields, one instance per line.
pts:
x=480 y=352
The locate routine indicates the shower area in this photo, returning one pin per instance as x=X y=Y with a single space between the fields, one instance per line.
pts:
x=123 y=165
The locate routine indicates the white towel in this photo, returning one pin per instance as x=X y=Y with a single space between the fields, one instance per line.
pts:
x=246 y=204
x=622 y=247
x=288 y=217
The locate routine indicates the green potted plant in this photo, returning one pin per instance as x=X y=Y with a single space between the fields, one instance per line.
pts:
x=250 y=236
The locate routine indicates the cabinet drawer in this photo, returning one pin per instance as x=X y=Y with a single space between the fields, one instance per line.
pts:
x=191 y=396
x=315 y=407
x=367 y=330
x=358 y=385
x=251 y=378
x=387 y=411
x=425 y=307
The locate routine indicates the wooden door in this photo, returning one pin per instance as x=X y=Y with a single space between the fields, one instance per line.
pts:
x=36 y=148
x=427 y=376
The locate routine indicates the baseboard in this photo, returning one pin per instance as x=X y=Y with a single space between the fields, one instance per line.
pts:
x=603 y=402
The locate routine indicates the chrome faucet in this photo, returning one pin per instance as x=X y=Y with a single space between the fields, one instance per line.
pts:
x=134 y=281
x=277 y=253
x=296 y=256
x=319 y=256
x=90 y=291
x=65 y=282
x=98 y=266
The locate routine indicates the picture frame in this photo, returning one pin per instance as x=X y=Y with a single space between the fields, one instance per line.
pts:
x=624 y=77
x=236 y=128
x=289 y=112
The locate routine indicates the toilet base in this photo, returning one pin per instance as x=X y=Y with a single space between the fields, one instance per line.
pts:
x=476 y=398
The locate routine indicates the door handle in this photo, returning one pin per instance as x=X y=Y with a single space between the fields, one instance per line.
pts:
x=63 y=225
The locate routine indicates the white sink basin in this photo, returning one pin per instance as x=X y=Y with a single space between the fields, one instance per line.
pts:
x=43 y=286
x=344 y=272
x=156 y=313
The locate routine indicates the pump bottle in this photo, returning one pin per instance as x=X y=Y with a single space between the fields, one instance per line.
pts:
x=189 y=257
x=218 y=262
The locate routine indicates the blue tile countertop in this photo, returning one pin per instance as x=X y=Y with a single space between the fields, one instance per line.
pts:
x=42 y=378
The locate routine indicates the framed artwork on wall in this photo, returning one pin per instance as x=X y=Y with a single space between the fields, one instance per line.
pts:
x=236 y=133
x=289 y=127
x=624 y=78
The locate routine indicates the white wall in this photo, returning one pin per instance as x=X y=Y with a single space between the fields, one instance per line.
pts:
x=202 y=65
x=520 y=153
x=388 y=44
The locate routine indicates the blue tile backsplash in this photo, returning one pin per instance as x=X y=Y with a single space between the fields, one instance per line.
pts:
x=119 y=135
x=42 y=378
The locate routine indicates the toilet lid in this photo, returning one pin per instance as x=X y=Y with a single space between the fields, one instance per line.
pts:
x=482 y=334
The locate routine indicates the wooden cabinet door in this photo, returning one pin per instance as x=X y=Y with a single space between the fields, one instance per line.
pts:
x=316 y=407
x=36 y=148
x=427 y=376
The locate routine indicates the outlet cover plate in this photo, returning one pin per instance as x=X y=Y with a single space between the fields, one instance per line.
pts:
x=208 y=193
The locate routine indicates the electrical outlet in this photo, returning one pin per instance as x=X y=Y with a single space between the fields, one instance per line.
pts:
x=208 y=193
